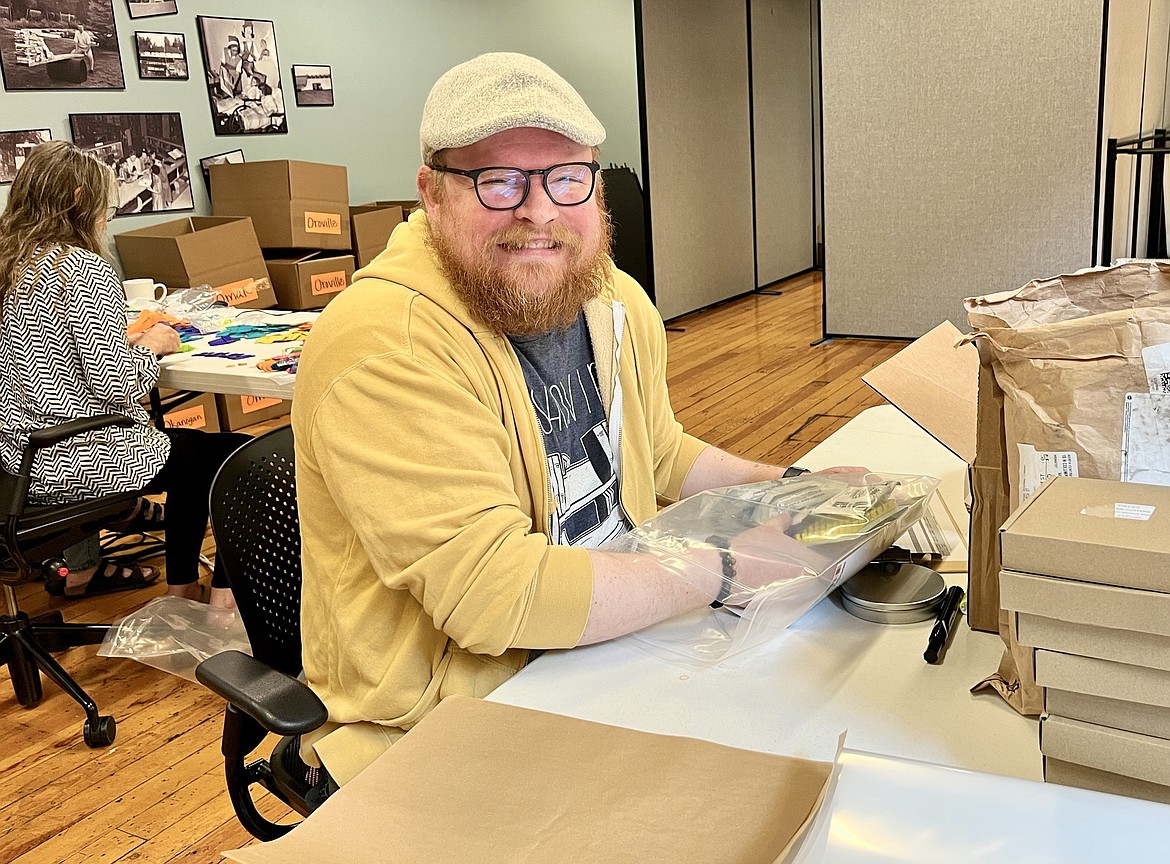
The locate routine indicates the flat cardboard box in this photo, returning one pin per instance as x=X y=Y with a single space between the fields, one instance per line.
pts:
x=372 y=224
x=1096 y=677
x=294 y=205
x=236 y=412
x=1084 y=777
x=200 y=250
x=1100 y=531
x=1129 y=754
x=309 y=281
x=1088 y=640
x=1130 y=716
x=939 y=382
x=484 y=782
x=1086 y=603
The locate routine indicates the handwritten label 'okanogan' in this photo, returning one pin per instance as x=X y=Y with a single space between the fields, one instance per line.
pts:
x=322 y=223
x=186 y=418
x=328 y=283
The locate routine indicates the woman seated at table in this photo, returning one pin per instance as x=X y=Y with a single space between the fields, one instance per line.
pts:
x=64 y=354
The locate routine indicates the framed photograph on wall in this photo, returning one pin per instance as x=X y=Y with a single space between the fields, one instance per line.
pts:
x=147 y=155
x=242 y=75
x=161 y=55
x=151 y=8
x=313 y=85
x=218 y=159
x=59 y=45
x=14 y=147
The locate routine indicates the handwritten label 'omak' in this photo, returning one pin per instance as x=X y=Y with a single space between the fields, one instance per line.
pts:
x=235 y=293
x=328 y=283
x=322 y=223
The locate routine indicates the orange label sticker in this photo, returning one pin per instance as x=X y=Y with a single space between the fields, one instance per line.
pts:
x=235 y=293
x=322 y=223
x=248 y=404
x=328 y=283
x=186 y=418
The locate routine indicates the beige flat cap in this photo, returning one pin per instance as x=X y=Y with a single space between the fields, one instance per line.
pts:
x=499 y=91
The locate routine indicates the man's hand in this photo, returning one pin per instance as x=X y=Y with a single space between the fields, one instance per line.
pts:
x=843 y=469
x=161 y=339
x=766 y=555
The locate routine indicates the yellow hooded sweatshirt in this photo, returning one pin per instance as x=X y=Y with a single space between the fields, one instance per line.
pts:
x=424 y=499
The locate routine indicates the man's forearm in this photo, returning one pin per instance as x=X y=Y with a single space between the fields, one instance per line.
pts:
x=715 y=468
x=632 y=591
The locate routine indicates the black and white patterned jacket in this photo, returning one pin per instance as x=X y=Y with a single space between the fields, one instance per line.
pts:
x=64 y=355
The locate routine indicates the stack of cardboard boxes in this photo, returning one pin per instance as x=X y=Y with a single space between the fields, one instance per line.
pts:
x=1086 y=577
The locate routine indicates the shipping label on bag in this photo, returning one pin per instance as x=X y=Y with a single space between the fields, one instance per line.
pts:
x=1156 y=359
x=1145 y=439
x=1036 y=466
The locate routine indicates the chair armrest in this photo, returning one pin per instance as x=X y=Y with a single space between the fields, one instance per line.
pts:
x=56 y=434
x=278 y=702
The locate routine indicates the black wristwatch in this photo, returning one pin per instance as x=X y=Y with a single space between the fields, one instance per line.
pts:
x=793 y=471
x=728 y=562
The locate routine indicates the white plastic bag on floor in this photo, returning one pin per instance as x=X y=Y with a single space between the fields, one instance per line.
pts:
x=176 y=635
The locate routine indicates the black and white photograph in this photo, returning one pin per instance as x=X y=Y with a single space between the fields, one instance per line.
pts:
x=218 y=159
x=147 y=155
x=59 y=45
x=14 y=147
x=242 y=74
x=313 y=85
x=151 y=8
x=161 y=55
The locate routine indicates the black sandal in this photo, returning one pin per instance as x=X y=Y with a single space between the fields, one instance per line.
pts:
x=110 y=576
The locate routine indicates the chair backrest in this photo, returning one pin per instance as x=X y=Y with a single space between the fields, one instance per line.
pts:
x=257 y=537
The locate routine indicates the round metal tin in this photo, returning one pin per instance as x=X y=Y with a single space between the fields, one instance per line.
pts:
x=893 y=595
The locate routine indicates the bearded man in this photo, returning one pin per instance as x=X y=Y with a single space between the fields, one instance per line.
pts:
x=480 y=410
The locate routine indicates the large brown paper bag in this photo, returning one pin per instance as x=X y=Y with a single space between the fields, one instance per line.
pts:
x=483 y=782
x=1084 y=365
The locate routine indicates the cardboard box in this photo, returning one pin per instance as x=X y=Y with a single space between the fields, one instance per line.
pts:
x=1107 y=643
x=1096 y=677
x=309 y=281
x=1129 y=754
x=372 y=224
x=1130 y=716
x=236 y=412
x=573 y=791
x=1093 y=530
x=200 y=250
x=293 y=205
x=939 y=383
x=1085 y=603
x=1084 y=777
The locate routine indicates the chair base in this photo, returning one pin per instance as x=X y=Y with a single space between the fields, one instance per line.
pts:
x=25 y=644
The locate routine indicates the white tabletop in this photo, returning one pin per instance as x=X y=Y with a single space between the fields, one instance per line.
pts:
x=831 y=672
x=186 y=371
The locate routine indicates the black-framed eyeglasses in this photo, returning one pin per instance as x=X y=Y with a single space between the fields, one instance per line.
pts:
x=499 y=188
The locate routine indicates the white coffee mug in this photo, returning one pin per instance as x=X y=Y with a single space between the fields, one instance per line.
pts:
x=138 y=290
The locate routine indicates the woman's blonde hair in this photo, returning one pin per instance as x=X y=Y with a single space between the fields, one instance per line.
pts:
x=59 y=198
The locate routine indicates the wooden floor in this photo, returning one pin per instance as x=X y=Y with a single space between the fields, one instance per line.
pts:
x=743 y=376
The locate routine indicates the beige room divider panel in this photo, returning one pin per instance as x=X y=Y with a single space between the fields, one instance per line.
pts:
x=698 y=153
x=960 y=143
x=783 y=114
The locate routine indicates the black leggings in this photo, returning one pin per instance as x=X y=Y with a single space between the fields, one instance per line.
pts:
x=186 y=478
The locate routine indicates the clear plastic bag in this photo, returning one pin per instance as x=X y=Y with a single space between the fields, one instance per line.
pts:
x=773 y=550
x=175 y=635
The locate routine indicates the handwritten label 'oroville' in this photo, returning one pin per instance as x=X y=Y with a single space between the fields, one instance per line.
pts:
x=328 y=283
x=322 y=223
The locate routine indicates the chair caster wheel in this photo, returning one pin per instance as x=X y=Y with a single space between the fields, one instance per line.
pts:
x=102 y=734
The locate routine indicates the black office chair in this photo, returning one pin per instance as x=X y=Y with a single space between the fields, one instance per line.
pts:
x=34 y=534
x=257 y=537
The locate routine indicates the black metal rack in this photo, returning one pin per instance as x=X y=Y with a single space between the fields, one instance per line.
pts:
x=1136 y=146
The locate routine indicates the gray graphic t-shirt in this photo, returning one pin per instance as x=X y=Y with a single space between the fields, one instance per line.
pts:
x=562 y=383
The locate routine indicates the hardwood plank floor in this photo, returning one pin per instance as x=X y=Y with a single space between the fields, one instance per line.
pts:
x=742 y=376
